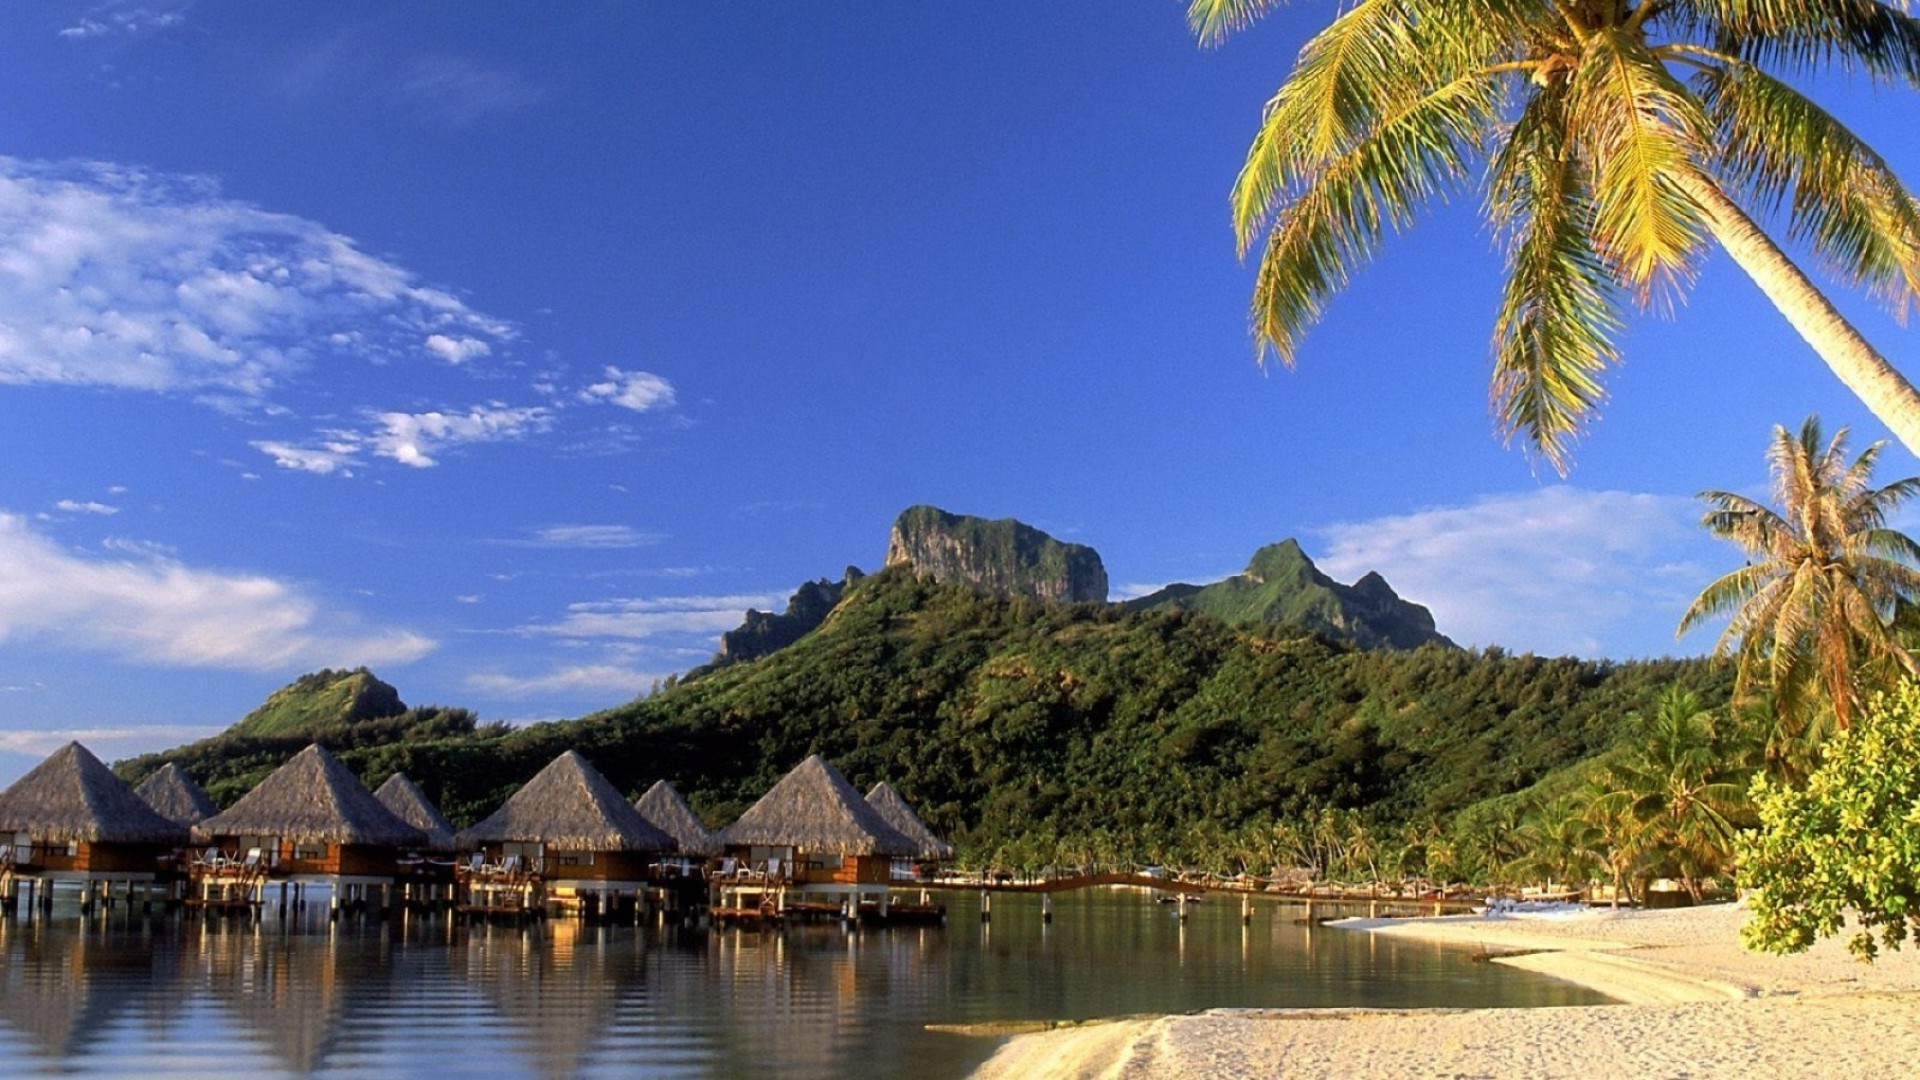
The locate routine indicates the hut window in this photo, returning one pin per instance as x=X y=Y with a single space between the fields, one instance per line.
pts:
x=574 y=858
x=73 y=848
x=309 y=851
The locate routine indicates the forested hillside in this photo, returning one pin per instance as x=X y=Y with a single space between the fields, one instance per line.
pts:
x=1013 y=722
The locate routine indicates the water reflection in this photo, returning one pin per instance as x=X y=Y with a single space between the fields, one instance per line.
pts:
x=187 y=996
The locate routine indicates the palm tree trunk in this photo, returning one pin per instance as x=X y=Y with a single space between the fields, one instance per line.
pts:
x=1868 y=374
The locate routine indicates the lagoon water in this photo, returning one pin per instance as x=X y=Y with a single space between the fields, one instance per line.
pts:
x=186 y=996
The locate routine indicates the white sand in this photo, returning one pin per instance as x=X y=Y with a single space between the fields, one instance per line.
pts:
x=1695 y=1005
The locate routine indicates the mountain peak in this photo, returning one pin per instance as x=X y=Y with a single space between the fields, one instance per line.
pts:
x=1282 y=587
x=1003 y=555
x=320 y=699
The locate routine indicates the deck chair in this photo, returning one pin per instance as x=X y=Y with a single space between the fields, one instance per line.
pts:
x=477 y=862
x=510 y=864
x=6 y=854
x=773 y=869
x=729 y=867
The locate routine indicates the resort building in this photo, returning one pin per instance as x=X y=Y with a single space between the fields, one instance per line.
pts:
x=666 y=810
x=174 y=796
x=411 y=805
x=810 y=844
x=71 y=820
x=426 y=873
x=311 y=821
x=567 y=838
x=900 y=814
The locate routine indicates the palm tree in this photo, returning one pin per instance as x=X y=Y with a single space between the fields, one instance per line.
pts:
x=1826 y=584
x=1617 y=136
x=1682 y=786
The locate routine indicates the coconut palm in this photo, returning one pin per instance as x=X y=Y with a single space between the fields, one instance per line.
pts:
x=1617 y=137
x=1817 y=608
x=1681 y=786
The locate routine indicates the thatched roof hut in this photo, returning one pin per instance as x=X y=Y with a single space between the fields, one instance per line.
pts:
x=174 y=796
x=568 y=806
x=900 y=815
x=312 y=799
x=411 y=805
x=666 y=810
x=73 y=798
x=814 y=808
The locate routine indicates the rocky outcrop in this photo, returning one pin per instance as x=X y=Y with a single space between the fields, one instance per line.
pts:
x=1281 y=587
x=764 y=632
x=1003 y=556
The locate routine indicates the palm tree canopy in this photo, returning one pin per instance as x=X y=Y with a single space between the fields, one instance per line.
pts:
x=1825 y=584
x=1614 y=138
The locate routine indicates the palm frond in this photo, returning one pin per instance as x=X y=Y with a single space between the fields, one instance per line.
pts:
x=1635 y=129
x=1842 y=197
x=1214 y=21
x=1336 y=223
x=1554 y=334
x=1809 y=36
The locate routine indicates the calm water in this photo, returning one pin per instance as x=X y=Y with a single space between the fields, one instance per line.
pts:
x=178 y=996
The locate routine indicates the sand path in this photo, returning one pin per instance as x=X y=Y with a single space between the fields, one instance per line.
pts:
x=1695 y=1005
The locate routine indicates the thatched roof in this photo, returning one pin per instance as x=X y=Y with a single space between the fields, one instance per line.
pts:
x=174 y=796
x=663 y=807
x=72 y=796
x=411 y=805
x=900 y=815
x=313 y=799
x=569 y=806
x=813 y=808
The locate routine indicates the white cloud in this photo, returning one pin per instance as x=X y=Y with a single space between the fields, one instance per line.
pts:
x=457 y=350
x=588 y=536
x=636 y=390
x=334 y=457
x=128 y=21
x=413 y=438
x=585 y=678
x=1555 y=570
x=74 y=506
x=640 y=619
x=461 y=91
x=120 y=277
x=106 y=743
x=156 y=610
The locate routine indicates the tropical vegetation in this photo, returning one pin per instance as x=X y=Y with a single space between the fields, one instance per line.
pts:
x=1819 y=605
x=1847 y=844
x=1616 y=139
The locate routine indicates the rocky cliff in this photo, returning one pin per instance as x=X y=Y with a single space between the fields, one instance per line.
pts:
x=1282 y=587
x=1003 y=556
x=763 y=632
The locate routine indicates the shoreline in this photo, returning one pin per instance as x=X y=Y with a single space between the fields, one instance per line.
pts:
x=1692 y=1002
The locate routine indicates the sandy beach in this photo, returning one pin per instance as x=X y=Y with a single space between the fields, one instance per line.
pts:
x=1692 y=1003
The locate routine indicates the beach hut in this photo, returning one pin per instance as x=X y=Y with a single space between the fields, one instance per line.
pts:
x=411 y=805
x=810 y=839
x=71 y=819
x=311 y=821
x=573 y=832
x=663 y=807
x=174 y=796
x=899 y=814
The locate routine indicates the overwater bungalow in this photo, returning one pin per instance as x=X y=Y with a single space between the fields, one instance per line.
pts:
x=666 y=810
x=174 y=796
x=811 y=843
x=411 y=805
x=311 y=821
x=426 y=873
x=900 y=814
x=71 y=819
x=567 y=837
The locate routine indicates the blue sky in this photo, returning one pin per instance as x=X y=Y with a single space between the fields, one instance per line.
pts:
x=516 y=351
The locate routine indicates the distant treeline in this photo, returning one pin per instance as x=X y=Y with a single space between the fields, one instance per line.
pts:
x=1029 y=728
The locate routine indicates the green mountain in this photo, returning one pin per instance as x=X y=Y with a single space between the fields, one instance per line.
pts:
x=1003 y=556
x=1282 y=588
x=321 y=700
x=1018 y=725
